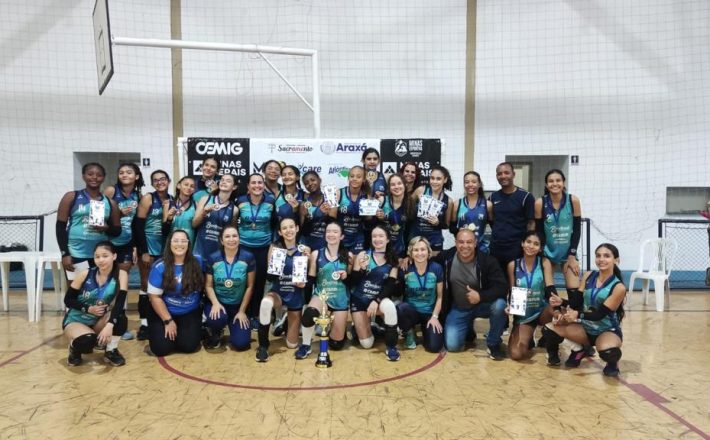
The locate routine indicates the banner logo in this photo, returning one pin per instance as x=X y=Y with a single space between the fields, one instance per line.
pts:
x=220 y=148
x=327 y=147
x=197 y=167
x=400 y=148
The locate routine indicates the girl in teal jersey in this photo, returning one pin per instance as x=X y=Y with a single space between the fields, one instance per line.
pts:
x=181 y=210
x=288 y=203
x=126 y=193
x=594 y=317
x=149 y=238
x=328 y=270
x=534 y=273
x=95 y=308
x=472 y=208
x=558 y=219
x=75 y=236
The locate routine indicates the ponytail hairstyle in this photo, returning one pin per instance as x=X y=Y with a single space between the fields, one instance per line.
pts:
x=390 y=255
x=111 y=248
x=448 y=185
x=480 y=192
x=564 y=179
x=620 y=313
x=177 y=190
x=140 y=183
x=192 y=277
x=297 y=172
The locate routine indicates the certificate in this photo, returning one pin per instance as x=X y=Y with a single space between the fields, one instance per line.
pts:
x=518 y=300
x=277 y=262
x=96 y=213
x=300 y=269
x=369 y=207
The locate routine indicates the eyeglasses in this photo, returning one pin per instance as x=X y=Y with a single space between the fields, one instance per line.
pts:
x=160 y=180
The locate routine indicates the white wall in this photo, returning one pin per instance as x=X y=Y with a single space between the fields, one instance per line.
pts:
x=624 y=85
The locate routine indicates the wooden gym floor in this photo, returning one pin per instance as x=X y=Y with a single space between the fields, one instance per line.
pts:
x=662 y=392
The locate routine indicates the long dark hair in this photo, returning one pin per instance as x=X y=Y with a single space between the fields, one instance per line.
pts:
x=447 y=175
x=280 y=242
x=367 y=152
x=297 y=172
x=390 y=255
x=417 y=172
x=192 y=277
x=152 y=175
x=555 y=171
x=620 y=313
x=406 y=200
x=111 y=248
x=140 y=183
x=539 y=237
x=480 y=192
x=177 y=190
x=343 y=256
x=236 y=186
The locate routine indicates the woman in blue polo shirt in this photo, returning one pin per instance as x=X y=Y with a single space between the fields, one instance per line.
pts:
x=175 y=288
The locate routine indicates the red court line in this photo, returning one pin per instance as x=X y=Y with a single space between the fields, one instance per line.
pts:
x=657 y=400
x=22 y=353
x=164 y=363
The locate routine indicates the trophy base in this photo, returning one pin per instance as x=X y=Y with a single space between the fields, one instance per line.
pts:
x=324 y=361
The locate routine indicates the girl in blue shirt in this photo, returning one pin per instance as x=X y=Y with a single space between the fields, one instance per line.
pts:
x=175 y=287
x=348 y=209
x=472 y=208
x=126 y=193
x=430 y=227
x=214 y=212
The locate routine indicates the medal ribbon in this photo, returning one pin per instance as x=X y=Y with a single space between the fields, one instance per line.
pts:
x=422 y=279
x=229 y=267
x=251 y=208
x=528 y=276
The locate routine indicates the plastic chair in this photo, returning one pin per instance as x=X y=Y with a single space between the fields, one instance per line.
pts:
x=59 y=281
x=28 y=259
x=659 y=253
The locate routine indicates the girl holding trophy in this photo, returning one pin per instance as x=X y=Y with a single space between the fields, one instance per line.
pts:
x=228 y=284
x=328 y=269
x=532 y=287
x=288 y=273
x=373 y=282
x=433 y=208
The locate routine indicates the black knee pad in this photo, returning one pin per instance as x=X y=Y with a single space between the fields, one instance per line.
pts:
x=552 y=339
x=308 y=315
x=391 y=335
x=121 y=325
x=336 y=345
x=611 y=355
x=85 y=343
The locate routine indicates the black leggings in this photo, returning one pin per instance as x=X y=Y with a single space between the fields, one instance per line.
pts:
x=261 y=255
x=188 y=335
x=408 y=317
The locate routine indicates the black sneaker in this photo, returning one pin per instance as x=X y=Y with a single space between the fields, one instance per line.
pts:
x=262 y=354
x=214 y=341
x=553 y=359
x=495 y=353
x=611 y=370
x=114 y=357
x=142 y=334
x=542 y=342
x=280 y=325
x=589 y=349
x=74 y=359
x=575 y=358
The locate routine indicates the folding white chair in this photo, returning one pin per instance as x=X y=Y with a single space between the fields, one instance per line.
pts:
x=655 y=265
x=28 y=259
x=58 y=277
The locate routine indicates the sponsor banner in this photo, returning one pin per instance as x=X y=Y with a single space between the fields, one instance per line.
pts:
x=424 y=152
x=330 y=158
x=232 y=153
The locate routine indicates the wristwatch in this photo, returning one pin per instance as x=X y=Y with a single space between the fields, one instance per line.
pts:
x=167 y=321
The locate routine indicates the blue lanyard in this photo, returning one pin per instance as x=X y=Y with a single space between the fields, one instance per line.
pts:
x=422 y=279
x=251 y=208
x=528 y=276
x=228 y=267
x=595 y=289
x=336 y=263
x=396 y=216
x=556 y=212
x=101 y=289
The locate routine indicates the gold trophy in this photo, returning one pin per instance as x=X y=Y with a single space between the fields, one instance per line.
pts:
x=324 y=321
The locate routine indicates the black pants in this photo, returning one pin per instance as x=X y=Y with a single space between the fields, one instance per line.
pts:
x=261 y=255
x=408 y=317
x=188 y=333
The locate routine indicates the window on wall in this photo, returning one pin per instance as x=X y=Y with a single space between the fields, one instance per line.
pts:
x=530 y=170
x=687 y=200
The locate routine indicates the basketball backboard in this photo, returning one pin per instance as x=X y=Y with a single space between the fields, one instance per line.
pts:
x=102 y=42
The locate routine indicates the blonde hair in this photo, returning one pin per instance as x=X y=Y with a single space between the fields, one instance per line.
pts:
x=413 y=242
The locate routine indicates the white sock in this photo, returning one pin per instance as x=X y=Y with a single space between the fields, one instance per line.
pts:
x=113 y=344
x=144 y=322
x=307 y=334
x=267 y=305
x=390 y=311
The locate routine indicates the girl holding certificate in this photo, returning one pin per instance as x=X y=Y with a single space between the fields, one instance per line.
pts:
x=328 y=269
x=373 y=282
x=433 y=208
x=532 y=287
x=256 y=221
x=349 y=209
x=228 y=284
x=288 y=273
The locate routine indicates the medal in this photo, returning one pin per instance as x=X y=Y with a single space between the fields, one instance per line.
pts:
x=209 y=183
x=371 y=176
x=394 y=228
x=336 y=275
x=288 y=197
x=301 y=248
x=308 y=204
x=228 y=283
x=365 y=259
x=253 y=225
x=100 y=303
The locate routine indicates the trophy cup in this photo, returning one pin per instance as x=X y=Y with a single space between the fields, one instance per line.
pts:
x=324 y=321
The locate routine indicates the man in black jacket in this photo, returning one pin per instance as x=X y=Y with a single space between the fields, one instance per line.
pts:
x=475 y=288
